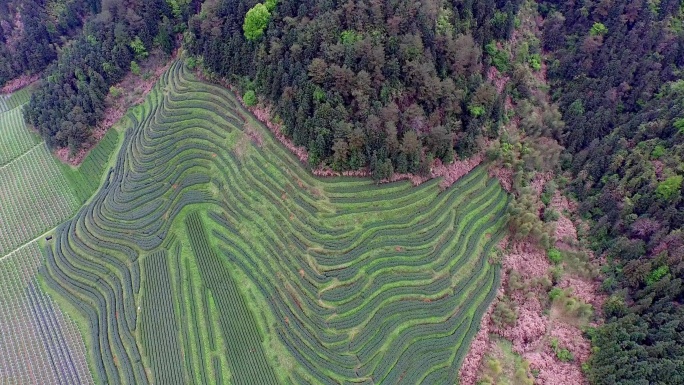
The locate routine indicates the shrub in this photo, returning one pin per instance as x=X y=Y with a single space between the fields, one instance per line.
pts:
x=555 y=256
x=249 y=98
x=614 y=306
x=576 y=108
x=535 y=62
x=115 y=91
x=551 y=215
x=476 y=111
x=139 y=48
x=658 y=152
x=679 y=125
x=669 y=188
x=547 y=194
x=561 y=353
x=135 y=68
x=495 y=366
x=499 y=57
x=349 y=37
x=598 y=29
x=319 y=94
x=504 y=313
x=191 y=62
x=657 y=274
x=565 y=355
x=556 y=292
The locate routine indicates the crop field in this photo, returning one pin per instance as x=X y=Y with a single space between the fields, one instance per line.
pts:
x=16 y=138
x=35 y=197
x=39 y=344
x=15 y=100
x=210 y=255
x=36 y=191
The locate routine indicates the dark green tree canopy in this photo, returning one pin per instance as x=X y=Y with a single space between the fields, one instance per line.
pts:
x=352 y=81
x=617 y=71
x=70 y=102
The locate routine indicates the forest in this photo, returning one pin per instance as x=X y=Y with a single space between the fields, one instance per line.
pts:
x=70 y=101
x=32 y=31
x=388 y=85
x=392 y=85
x=616 y=68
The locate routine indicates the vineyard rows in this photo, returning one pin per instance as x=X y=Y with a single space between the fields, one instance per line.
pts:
x=38 y=193
x=15 y=100
x=38 y=343
x=35 y=197
x=16 y=138
x=256 y=272
x=159 y=327
x=246 y=359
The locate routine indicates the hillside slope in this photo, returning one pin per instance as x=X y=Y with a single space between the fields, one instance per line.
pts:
x=617 y=70
x=340 y=280
x=388 y=85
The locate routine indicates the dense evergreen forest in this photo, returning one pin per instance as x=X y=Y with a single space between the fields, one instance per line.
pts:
x=393 y=84
x=71 y=99
x=31 y=31
x=616 y=70
x=365 y=83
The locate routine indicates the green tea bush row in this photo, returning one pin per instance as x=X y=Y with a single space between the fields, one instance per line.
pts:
x=357 y=282
x=158 y=320
x=239 y=330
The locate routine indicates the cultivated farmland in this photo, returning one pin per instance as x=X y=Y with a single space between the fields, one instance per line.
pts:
x=210 y=255
x=36 y=191
x=39 y=344
x=15 y=100
x=16 y=138
x=35 y=197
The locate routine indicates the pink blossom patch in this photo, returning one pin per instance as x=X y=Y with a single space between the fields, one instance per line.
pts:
x=18 y=83
x=527 y=259
x=504 y=175
x=468 y=374
x=586 y=291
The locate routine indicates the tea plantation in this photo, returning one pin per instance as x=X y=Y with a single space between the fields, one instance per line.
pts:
x=210 y=255
x=39 y=343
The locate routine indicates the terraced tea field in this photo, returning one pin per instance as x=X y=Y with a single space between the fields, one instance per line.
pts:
x=210 y=255
x=39 y=344
x=16 y=138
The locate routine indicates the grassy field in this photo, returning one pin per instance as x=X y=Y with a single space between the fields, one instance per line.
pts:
x=39 y=344
x=210 y=255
